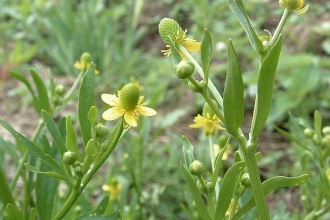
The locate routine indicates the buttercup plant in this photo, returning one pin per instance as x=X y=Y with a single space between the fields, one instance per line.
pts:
x=223 y=196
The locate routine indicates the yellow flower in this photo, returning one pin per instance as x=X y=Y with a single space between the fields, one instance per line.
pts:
x=217 y=149
x=85 y=62
x=128 y=104
x=114 y=190
x=209 y=123
x=170 y=28
x=328 y=173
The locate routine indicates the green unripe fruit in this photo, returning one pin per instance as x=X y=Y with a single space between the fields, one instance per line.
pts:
x=245 y=180
x=60 y=89
x=129 y=96
x=70 y=157
x=78 y=171
x=85 y=58
x=197 y=168
x=101 y=131
x=308 y=133
x=292 y=4
x=169 y=27
x=184 y=69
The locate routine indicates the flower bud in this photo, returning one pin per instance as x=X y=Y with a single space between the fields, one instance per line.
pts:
x=184 y=69
x=326 y=130
x=245 y=180
x=197 y=168
x=129 y=96
x=168 y=27
x=209 y=187
x=70 y=157
x=60 y=90
x=292 y=4
x=101 y=131
x=308 y=133
x=78 y=171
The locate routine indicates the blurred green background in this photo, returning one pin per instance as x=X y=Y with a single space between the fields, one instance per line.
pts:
x=122 y=37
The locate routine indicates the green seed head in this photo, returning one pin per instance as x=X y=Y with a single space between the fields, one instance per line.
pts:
x=169 y=27
x=292 y=4
x=129 y=96
x=184 y=69
x=85 y=58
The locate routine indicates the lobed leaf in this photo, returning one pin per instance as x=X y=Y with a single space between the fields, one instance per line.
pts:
x=233 y=96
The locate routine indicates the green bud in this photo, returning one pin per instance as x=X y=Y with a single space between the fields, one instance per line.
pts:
x=209 y=187
x=57 y=100
x=308 y=133
x=222 y=140
x=78 y=171
x=70 y=157
x=184 y=69
x=168 y=27
x=60 y=90
x=197 y=168
x=101 y=131
x=77 y=163
x=129 y=96
x=85 y=58
x=326 y=130
x=245 y=180
x=292 y=4
x=237 y=157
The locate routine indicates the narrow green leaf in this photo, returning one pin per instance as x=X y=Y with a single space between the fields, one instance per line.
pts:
x=266 y=79
x=218 y=161
x=34 y=149
x=42 y=92
x=29 y=87
x=233 y=96
x=201 y=208
x=188 y=151
x=85 y=102
x=54 y=131
x=175 y=55
x=33 y=214
x=13 y=213
x=227 y=188
x=269 y=186
x=206 y=53
x=238 y=9
x=6 y=195
x=71 y=137
x=99 y=211
x=318 y=125
x=50 y=174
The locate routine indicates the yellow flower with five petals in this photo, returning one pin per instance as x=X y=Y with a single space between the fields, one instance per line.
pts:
x=128 y=104
x=209 y=123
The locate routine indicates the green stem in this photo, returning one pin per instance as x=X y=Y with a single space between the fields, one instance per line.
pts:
x=210 y=204
x=75 y=84
x=211 y=151
x=279 y=27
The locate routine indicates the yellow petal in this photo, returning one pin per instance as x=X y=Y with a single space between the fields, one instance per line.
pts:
x=111 y=100
x=78 y=65
x=302 y=10
x=112 y=113
x=130 y=118
x=106 y=188
x=192 y=46
x=145 y=110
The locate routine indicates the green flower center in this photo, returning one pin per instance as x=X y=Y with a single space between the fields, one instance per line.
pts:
x=169 y=27
x=129 y=96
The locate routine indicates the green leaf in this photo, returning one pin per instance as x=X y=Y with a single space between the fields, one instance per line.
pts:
x=263 y=102
x=71 y=137
x=201 y=208
x=42 y=92
x=54 y=131
x=233 y=96
x=206 y=53
x=269 y=186
x=227 y=188
x=13 y=213
x=218 y=160
x=318 y=125
x=34 y=149
x=6 y=195
x=188 y=151
x=46 y=185
x=85 y=102
x=21 y=78
x=238 y=9
x=33 y=214
x=175 y=55
x=92 y=115
x=50 y=174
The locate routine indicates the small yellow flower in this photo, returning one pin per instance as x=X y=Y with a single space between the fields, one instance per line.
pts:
x=328 y=173
x=128 y=104
x=85 y=62
x=114 y=190
x=209 y=123
x=169 y=27
x=217 y=149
